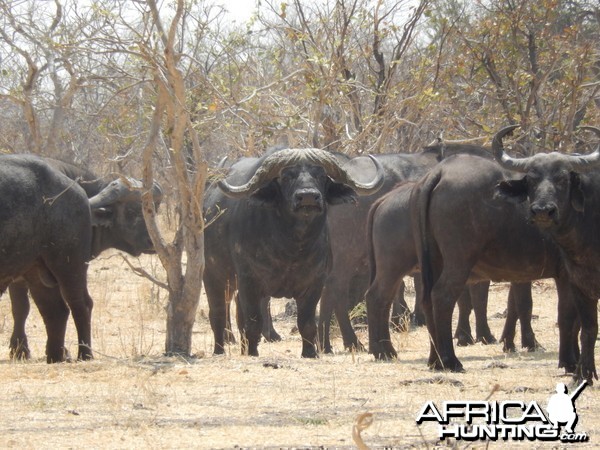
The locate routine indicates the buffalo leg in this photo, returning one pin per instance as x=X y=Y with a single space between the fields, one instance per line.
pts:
x=82 y=316
x=444 y=295
x=588 y=319
x=218 y=294
x=307 y=306
x=510 y=324
x=568 y=349
x=73 y=288
x=55 y=314
x=400 y=311
x=249 y=306
x=268 y=331
x=479 y=299
x=521 y=294
x=20 y=307
x=325 y=315
x=474 y=298
x=519 y=307
x=418 y=315
x=340 y=295
x=357 y=287
x=379 y=301
x=349 y=337
x=463 y=327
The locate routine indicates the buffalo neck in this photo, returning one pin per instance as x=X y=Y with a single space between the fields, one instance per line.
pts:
x=300 y=227
x=99 y=243
x=292 y=237
x=578 y=240
x=103 y=239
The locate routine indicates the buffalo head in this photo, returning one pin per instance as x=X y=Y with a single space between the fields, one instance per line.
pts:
x=552 y=181
x=302 y=181
x=118 y=219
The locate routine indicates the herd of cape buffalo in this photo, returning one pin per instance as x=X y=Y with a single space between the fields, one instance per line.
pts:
x=313 y=225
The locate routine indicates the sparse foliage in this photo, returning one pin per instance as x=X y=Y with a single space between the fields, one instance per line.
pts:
x=104 y=84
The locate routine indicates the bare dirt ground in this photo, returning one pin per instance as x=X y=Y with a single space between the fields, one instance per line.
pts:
x=131 y=396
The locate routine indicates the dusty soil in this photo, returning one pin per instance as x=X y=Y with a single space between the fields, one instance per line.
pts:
x=131 y=396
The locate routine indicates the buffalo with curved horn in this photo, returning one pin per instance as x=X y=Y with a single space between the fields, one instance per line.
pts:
x=271 y=238
x=465 y=231
x=563 y=194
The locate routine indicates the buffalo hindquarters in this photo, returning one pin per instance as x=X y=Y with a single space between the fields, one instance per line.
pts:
x=46 y=227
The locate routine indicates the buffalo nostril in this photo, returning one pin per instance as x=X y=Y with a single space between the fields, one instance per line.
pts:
x=308 y=198
x=548 y=210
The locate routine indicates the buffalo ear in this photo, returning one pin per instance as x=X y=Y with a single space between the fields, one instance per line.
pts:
x=577 y=193
x=338 y=193
x=102 y=217
x=265 y=196
x=514 y=191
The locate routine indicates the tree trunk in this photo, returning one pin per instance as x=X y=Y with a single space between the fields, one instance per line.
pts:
x=170 y=112
x=181 y=314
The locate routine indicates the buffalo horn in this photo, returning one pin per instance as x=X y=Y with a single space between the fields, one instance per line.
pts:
x=508 y=162
x=222 y=162
x=583 y=162
x=274 y=163
x=578 y=163
x=339 y=175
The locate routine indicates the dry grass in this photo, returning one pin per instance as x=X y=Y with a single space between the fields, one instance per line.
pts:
x=133 y=397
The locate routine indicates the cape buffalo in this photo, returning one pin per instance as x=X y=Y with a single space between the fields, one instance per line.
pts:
x=347 y=282
x=271 y=238
x=46 y=231
x=117 y=222
x=563 y=200
x=349 y=276
x=465 y=232
x=393 y=255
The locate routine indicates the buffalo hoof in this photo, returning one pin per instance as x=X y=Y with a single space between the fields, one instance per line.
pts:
x=487 y=339
x=355 y=347
x=588 y=374
x=385 y=355
x=218 y=350
x=273 y=336
x=249 y=348
x=418 y=320
x=531 y=344
x=464 y=339
x=60 y=356
x=536 y=347
x=310 y=353
x=508 y=346
x=570 y=368
x=451 y=365
x=327 y=349
x=249 y=351
x=20 y=352
x=84 y=356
